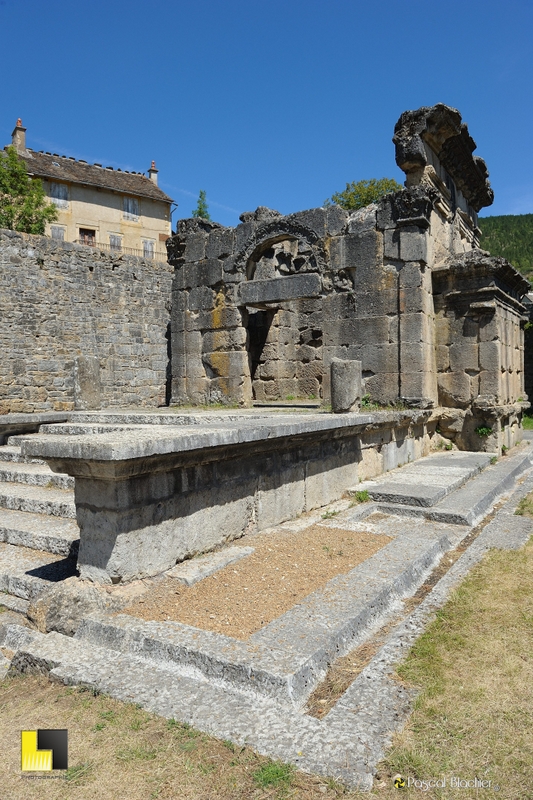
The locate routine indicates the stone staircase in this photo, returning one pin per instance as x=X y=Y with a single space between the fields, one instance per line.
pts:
x=39 y=535
x=259 y=687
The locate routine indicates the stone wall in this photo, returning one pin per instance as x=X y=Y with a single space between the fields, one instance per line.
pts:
x=80 y=328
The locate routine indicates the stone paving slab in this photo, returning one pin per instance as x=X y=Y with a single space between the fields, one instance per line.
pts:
x=195 y=569
x=38 y=532
x=37 y=499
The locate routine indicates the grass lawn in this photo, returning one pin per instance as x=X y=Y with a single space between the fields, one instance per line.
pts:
x=474 y=666
x=473 y=718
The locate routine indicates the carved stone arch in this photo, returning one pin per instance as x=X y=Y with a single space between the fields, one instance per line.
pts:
x=295 y=249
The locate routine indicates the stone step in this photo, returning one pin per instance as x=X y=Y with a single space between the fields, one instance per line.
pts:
x=428 y=480
x=14 y=603
x=10 y=453
x=73 y=429
x=282 y=734
x=34 y=475
x=63 y=430
x=26 y=573
x=287 y=658
x=39 y=532
x=37 y=499
x=468 y=504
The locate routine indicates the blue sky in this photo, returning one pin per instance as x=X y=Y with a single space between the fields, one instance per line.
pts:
x=264 y=102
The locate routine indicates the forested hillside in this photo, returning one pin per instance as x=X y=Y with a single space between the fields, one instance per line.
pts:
x=510 y=236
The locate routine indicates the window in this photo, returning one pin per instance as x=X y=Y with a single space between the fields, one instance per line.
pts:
x=131 y=209
x=148 y=248
x=115 y=242
x=59 y=195
x=58 y=233
x=87 y=236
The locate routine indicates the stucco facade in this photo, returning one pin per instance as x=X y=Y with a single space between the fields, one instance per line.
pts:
x=100 y=206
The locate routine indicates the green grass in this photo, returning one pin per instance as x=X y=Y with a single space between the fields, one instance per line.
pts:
x=527 y=423
x=472 y=671
x=274 y=773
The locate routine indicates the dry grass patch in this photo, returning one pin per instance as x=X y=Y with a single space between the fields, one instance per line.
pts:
x=474 y=666
x=243 y=597
x=118 y=751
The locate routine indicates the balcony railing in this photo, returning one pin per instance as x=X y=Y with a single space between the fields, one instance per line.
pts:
x=155 y=255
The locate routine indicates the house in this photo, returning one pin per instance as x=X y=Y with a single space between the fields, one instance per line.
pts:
x=100 y=206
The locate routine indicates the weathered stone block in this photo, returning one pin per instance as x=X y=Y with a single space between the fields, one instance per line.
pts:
x=410 y=276
x=391 y=244
x=338 y=306
x=454 y=389
x=279 y=289
x=490 y=356
x=221 y=317
x=419 y=389
x=336 y=220
x=243 y=234
x=195 y=246
x=336 y=253
x=363 y=251
x=315 y=219
x=202 y=298
x=345 y=382
x=383 y=388
x=380 y=357
x=226 y=339
x=415 y=356
x=414 y=328
x=203 y=273
x=87 y=383
x=187 y=342
x=220 y=243
x=489 y=328
x=226 y=364
x=414 y=245
x=363 y=220
x=412 y=300
x=442 y=358
x=376 y=304
x=464 y=356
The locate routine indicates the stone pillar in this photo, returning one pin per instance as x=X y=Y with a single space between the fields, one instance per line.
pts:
x=346 y=384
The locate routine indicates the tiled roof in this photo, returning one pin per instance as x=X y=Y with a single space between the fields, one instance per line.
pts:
x=62 y=168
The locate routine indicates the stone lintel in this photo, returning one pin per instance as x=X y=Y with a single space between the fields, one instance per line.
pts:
x=279 y=289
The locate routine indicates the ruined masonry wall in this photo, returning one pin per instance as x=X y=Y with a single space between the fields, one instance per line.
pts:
x=80 y=328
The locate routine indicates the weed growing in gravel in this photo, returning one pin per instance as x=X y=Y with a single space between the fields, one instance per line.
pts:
x=330 y=514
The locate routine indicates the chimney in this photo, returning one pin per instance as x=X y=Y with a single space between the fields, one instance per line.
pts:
x=18 y=138
x=152 y=173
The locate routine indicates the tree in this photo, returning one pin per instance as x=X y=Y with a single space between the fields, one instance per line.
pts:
x=23 y=205
x=361 y=193
x=201 y=209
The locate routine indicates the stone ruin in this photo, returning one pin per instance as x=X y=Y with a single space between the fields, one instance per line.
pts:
x=260 y=311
